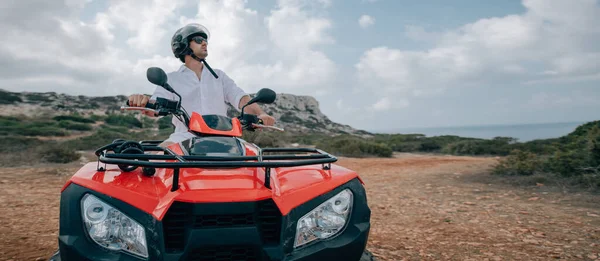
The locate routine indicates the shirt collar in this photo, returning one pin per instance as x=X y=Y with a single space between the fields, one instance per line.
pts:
x=184 y=69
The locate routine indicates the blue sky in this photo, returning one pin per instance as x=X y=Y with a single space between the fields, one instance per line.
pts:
x=417 y=64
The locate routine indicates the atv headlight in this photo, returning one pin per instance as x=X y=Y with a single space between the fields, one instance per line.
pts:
x=112 y=229
x=326 y=220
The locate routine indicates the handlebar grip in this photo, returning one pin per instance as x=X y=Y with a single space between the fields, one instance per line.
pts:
x=148 y=105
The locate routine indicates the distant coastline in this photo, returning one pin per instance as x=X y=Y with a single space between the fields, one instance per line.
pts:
x=522 y=132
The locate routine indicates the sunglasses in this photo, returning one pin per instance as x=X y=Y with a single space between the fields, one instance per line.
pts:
x=199 y=39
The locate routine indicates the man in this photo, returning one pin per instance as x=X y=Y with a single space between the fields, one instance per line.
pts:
x=200 y=90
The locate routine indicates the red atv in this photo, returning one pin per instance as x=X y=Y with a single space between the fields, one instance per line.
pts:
x=212 y=197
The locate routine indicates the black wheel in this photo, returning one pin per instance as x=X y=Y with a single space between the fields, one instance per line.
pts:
x=367 y=256
x=55 y=256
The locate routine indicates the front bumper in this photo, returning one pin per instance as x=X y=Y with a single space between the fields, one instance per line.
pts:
x=259 y=233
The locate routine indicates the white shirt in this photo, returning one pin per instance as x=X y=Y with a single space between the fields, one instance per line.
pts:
x=204 y=96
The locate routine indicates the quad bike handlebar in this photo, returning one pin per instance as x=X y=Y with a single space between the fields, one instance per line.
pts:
x=163 y=107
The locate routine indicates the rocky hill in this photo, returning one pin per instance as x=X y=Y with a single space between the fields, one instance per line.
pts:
x=293 y=113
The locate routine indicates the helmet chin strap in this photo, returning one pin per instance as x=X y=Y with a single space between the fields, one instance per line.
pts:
x=205 y=63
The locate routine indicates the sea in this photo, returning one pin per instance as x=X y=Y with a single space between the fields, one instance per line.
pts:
x=522 y=132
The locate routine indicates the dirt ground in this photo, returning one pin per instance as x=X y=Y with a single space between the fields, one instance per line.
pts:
x=423 y=208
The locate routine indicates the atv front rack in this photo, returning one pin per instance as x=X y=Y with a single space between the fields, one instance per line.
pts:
x=130 y=155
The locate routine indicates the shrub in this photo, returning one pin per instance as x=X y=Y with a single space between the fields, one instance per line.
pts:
x=566 y=163
x=74 y=118
x=38 y=97
x=165 y=122
x=69 y=125
x=9 y=121
x=10 y=144
x=465 y=147
x=518 y=163
x=593 y=146
x=123 y=120
x=354 y=147
x=148 y=123
x=33 y=129
x=58 y=154
x=96 y=117
x=9 y=98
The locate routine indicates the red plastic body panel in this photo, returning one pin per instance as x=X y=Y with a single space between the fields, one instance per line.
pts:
x=198 y=124
x=290 y=186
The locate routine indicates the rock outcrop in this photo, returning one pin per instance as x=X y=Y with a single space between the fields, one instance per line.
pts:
x=293 y=113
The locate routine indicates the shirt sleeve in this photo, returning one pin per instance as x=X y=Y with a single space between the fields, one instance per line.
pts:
x=233 y=93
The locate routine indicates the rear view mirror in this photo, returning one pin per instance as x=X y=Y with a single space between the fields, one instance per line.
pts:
x=264 y=95
x=156 y=75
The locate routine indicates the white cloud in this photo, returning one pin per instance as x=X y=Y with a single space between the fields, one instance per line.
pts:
x=110 y=54
x=556 y=37
x=365 y=21
x=269 y=52
x=145 y=20
x=548 y=100
x=386 y=103
x=287 y=48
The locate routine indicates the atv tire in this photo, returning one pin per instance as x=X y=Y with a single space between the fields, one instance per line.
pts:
x=367 y=256
x=55 y=256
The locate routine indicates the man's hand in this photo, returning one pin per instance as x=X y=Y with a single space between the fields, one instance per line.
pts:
x=267 y=120
x=140 y=100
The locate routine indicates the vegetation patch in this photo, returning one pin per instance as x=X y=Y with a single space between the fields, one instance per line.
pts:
x=572 y=160
x=9 y=97
x=125 y=120
x=350 y=146
x=73 y=117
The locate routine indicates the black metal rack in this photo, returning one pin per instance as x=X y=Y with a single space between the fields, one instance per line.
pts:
x=140 y=159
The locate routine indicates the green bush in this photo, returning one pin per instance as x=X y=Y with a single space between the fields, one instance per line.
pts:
x=38 y=97
x=573 y=159
x=165 y=122
x=9 y=98
x=148 y=123
x=518 y=163
x=69 y=125
x=354 y=147
x=9 y=121
x=33 y=129
x=96 y=117
x=58 y=154
x=107 y=134
x=124 y=120
x=10 y=144
x=497 y=146
x=593 y=146
x=74 y=118
x=566 y=163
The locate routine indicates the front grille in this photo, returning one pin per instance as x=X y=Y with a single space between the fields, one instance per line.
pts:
x=212 y=221
x=223 y=254
x=261 y=221
x=174 y=226
x=270 y=222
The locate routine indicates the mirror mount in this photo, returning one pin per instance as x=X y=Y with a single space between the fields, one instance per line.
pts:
x=158 y=77
x=264 y=95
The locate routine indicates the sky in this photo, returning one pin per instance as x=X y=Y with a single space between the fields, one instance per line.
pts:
x=376 y=65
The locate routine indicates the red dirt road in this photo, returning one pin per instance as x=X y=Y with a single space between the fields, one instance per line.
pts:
x=423 y=208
